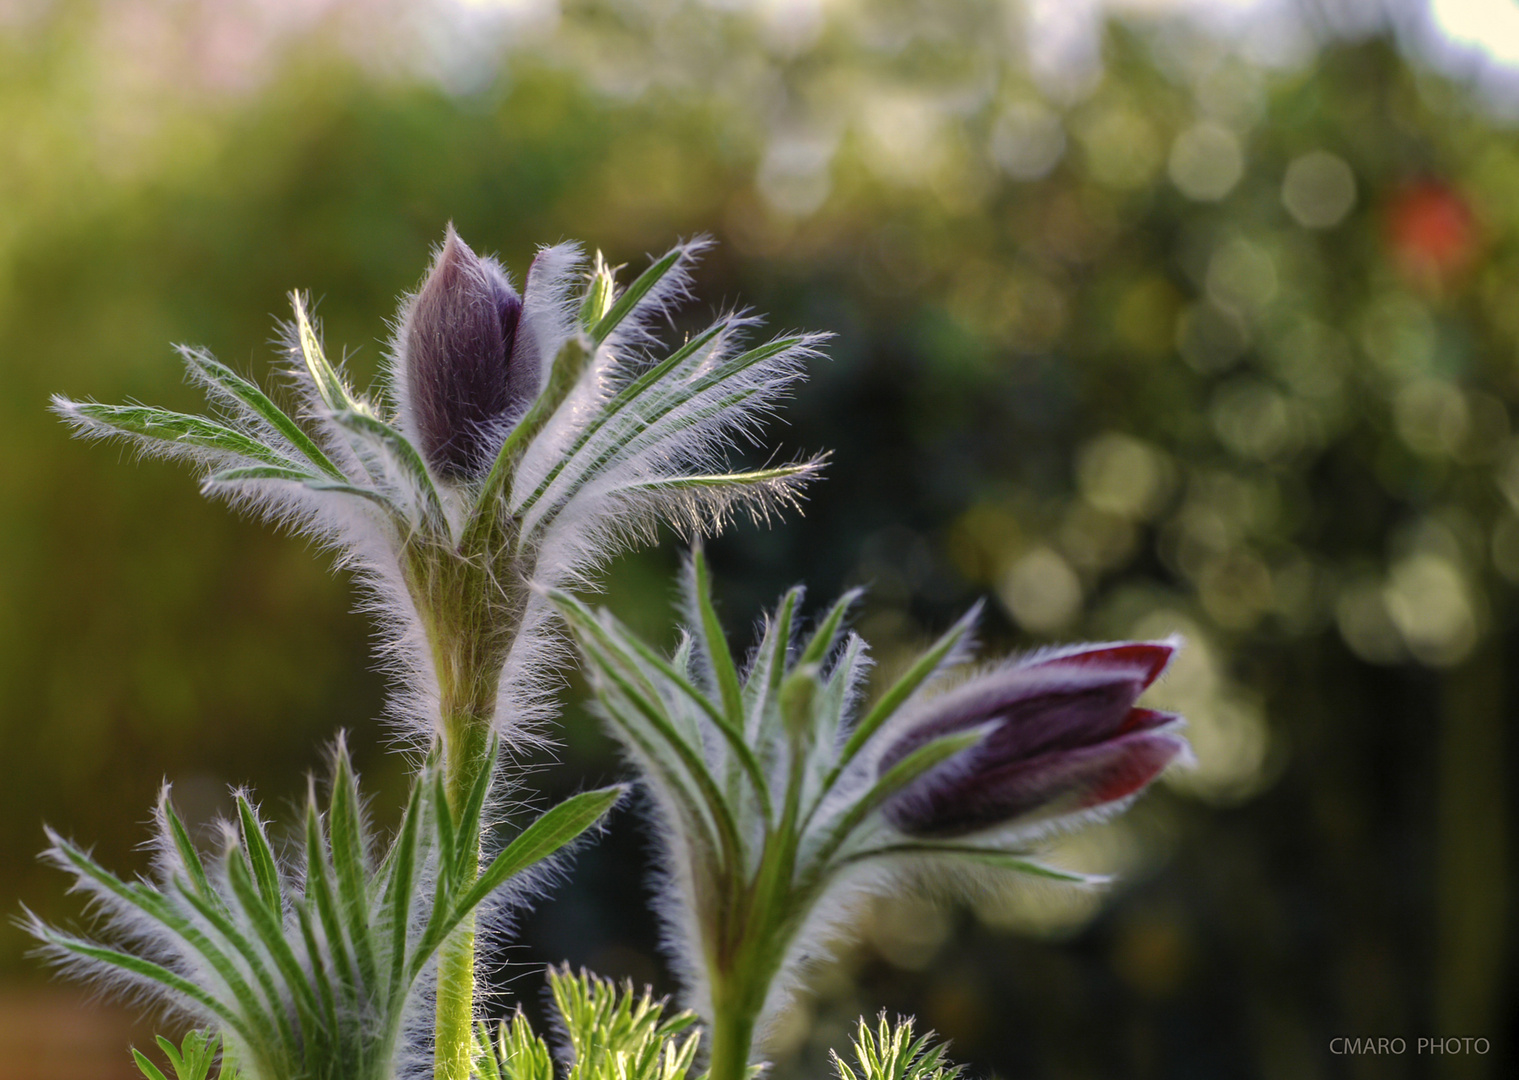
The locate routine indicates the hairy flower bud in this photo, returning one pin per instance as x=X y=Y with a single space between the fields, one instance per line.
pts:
x=1064 y=737
x=468 y=359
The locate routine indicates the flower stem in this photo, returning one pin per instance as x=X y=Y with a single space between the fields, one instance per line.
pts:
x=732 y=1037
x=453 y=1032
x=468 y=662
x=454 y=1022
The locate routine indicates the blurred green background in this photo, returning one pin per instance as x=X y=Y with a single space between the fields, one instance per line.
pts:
x=1153 y=319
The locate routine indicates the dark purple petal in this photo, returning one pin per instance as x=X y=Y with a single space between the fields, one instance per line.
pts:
x=972 y=797
x=1065 y=700
x=1065 y=735
x=457 y=338
x=1146 y=659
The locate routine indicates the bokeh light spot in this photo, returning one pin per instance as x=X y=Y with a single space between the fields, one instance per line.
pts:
x=1041 y=591
x=1319 y=190
x=1206 y=162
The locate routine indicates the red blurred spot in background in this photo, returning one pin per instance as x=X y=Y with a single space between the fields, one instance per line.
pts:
x=1431 y=231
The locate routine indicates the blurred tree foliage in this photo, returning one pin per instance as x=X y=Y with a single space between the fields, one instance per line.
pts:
x=1191 y=345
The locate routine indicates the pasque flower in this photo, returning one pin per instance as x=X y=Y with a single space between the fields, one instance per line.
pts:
x=1062 y=737
x=781 y=800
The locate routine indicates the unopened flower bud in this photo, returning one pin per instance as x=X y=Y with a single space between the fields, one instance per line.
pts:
x=467 y=357
x=798 y=694
x=598 y=296
x=1065 y=737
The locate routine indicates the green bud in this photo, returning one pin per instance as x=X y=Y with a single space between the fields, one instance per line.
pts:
x=798 y=693
x=598 y=295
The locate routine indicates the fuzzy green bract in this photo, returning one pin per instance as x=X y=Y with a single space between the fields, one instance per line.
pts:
x=768 y=788
x=309 y=969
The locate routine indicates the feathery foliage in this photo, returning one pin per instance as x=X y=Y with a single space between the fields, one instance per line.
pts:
x=611 y=1032
x=311 y=969
x=891 y=1053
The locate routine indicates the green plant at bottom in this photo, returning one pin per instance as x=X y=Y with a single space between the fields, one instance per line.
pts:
x=611 y=1033
x=308 y=970
x=615 y=1033
x=191 y=1060
x=889 y=1052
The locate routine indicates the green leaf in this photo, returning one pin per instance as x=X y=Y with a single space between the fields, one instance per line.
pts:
x=1017 y=862
x=260 y=856
x=259 y=404
x=487 y=1066
x=925 y=758
x=174 y=429
x=818 y=646
x=564 y=373
x=186 y=848
x=350 y=860
x=632 y=646
x=175 y=1059
x=398 y=888
x=551 y=832
x=598 y=294
x=321 y=977
x=891 y=1053
x=320 y=888
x=270 y=931
x=471 y=815
x=448 y=840
x=156 y=907
x=146 y=969
x=620 y=401
x=776 y=649
x=709 y=798
x=305 y=479
x=399 y=449
x=639 y=429
x=329 y=384
x=519 y=1054
x=907 y=685
x=146 y=1067
x=628 y=300
x=618 y=642
x=557 y=828
x=715 y=641
x=724 y=481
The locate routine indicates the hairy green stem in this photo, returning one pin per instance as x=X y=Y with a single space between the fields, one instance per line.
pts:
x=735 y=1009
x=741 y=981
x=453 y=1029
x=471 y=623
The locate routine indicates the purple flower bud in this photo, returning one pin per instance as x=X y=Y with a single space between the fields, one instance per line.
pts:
x=468 y=359
x=1065 y=736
